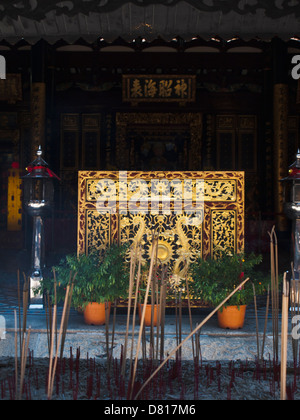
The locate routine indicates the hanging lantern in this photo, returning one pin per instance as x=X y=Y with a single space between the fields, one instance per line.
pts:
x=38 y=187
x=292 y=190
x=38 y=199
x=292 y=209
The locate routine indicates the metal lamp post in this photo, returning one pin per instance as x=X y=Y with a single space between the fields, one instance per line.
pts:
x=38 y=199
x=292 y=209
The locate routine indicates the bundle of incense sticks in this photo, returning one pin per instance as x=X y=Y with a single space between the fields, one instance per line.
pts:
x=172 y=353
x=256 y=319
x=139 y=257
x=274 y=290
x=295 y=310
x=152 y=263
x=266 y=324
x=24 y=338
x=158 y=290
x=284 y=336
x=133 y=262
x=161 y=316
x=260 y=355
x=60 y=341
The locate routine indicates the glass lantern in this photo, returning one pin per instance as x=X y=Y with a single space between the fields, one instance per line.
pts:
x=38 y=199
x=292 y=209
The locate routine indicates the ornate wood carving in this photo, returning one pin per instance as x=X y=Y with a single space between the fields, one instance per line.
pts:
x=14 y=200
x=159 y=88
x=223 y=214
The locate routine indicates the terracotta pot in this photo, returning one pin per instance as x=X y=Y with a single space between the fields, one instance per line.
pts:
x=94 y=313
x=232 y=317
x=147 y=321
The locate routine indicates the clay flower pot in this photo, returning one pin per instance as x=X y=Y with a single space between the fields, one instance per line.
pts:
x=148 y=313
x=94 y=313
x=232 y=317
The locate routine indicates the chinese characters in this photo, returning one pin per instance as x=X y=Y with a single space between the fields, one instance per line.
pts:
x=159 y=88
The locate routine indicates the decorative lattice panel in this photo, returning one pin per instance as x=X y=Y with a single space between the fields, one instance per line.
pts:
x=129 y=206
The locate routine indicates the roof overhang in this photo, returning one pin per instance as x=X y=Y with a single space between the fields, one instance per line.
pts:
x=70 y=20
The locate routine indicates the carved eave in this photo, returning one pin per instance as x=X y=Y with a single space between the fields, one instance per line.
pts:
x=91 y=20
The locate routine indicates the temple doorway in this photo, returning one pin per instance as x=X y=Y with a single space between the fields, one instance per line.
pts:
x=159 y=141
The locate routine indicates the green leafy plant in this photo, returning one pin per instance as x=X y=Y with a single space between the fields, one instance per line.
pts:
x=214 y=279
x=98 y=278
x=114 y=273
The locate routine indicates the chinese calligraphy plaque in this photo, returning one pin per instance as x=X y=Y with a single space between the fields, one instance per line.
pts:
x=159 y=88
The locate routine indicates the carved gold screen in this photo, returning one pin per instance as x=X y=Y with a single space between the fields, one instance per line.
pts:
x=222 y=216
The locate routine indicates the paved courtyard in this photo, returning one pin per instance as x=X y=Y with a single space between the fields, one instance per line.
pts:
x=216 y=343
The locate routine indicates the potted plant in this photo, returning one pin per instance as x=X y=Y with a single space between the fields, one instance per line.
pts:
x=215 y=278
x=112 y=283
x=99 y=281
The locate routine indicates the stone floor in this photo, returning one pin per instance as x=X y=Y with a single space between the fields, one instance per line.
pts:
x=216 y=343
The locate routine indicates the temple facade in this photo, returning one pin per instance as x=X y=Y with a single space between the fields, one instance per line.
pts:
x=182 y=102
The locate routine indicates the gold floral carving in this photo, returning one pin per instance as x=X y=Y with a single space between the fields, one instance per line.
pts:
x=223 y=230
x=98 y=231
x=180 y=241
x=181 y=237
x=214 y=189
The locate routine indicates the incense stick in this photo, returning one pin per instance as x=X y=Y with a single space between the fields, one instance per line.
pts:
x=16 y=353
x=190 y=313
x=274 y=290
x=189 y=336
x=135 y=306
x=19 y=306
x=163 y=312
x=51 y=352
x=154 y=246
x=50 y=391
x=294 y=297
x=66 y=321
x=256 y=318
x=159 y=318
x=180 y=323
x=25 y=346
x=113 y=331
x=25 y=305
x=107 y=306
x=131 y=282
x=266 y=323
x=284 y=337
